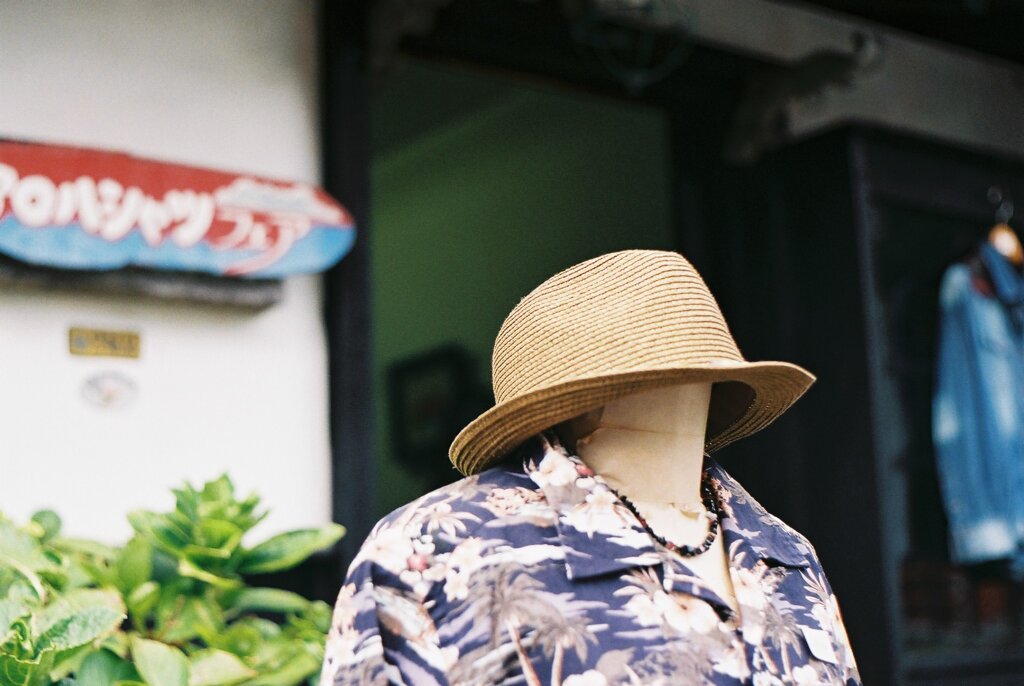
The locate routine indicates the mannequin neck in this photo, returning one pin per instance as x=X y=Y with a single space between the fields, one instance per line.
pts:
x=648 y=446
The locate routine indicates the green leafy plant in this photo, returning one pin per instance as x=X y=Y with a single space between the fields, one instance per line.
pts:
x=171 y=607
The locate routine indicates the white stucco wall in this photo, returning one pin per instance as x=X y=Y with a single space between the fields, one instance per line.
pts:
x=228 y=85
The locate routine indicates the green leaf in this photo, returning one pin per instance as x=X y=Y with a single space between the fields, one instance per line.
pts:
x=78 y=629
x=239 y=639
x=24 y=554
x=55 y=578
x=75 y=624
x=245 y=637
x=20 y=640
x=77 y=576
x=81 y=546
x=165 y=566
x=32 y=578
x=186 y=502
x=10 y=610
x=160 y=530
x=68 y=661
x=218 y=534
x=215 y=540
x=288 y=549
x=172 y=598
x=267 y=600
x=20 y=672
x=160 y=664
x=218 y=668
x=134 y=564
x=247 y=517
x=20 y=549
x=319 y=615
x=74 y=601
x=117 y=643
x=50 y=523
x=97 y=572
x=219 y=490
x=103 y=668
x=193 y=571
x=293 y=671
x=143 y=599
x=14 y=586
x=197 y=616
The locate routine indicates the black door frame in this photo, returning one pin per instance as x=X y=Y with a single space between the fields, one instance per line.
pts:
x=345 y=160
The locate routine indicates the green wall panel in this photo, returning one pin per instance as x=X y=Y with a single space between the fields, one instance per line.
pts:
x=482 y=188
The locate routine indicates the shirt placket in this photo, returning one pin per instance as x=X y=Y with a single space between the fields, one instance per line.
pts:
x=678 y=578
x=748 y=629
x=751 y=626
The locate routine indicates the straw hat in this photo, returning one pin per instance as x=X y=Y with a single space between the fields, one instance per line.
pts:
x=614 y=325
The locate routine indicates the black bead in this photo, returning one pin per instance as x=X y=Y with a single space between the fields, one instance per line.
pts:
x=710 y=504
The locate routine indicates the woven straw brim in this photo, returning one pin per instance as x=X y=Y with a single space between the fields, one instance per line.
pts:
x=771 y=388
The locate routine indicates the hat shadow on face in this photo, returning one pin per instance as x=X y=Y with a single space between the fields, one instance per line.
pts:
x=729 y=402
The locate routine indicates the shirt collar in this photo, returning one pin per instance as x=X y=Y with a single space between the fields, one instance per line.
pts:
x=601 y=536
x=1008 y=283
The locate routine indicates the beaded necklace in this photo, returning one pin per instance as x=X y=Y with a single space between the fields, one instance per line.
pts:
x=714 y=512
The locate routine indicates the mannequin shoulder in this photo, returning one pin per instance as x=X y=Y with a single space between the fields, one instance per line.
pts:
x=767 y=532
x=480 y=508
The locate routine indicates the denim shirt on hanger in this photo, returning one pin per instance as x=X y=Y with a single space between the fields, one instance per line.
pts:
x=978 y=410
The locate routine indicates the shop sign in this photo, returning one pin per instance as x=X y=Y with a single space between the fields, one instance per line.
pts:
x=76 y=208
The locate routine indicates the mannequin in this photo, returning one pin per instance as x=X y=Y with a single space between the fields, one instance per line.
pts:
x=529 y=571
x=650 y=447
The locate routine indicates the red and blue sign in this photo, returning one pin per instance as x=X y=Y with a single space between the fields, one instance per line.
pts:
x=75 y=208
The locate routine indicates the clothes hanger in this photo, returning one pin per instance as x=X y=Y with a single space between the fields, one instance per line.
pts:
x=1002 y=237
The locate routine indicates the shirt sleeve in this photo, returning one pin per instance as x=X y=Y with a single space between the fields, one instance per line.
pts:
x=381 y=632
x=354 y=653
x=846 y=661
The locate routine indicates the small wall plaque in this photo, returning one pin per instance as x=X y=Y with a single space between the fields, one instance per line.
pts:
x=103 y=343
x=109 y=390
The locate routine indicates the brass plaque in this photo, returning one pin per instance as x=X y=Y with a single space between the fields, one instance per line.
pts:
x=102 y=343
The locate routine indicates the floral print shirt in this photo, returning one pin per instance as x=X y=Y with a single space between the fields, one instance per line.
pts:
x=533 y=572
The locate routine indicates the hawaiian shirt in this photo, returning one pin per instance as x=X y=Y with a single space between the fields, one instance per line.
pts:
x=533 y=572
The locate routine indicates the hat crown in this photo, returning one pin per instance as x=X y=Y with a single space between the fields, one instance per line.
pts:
x=623 y=312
